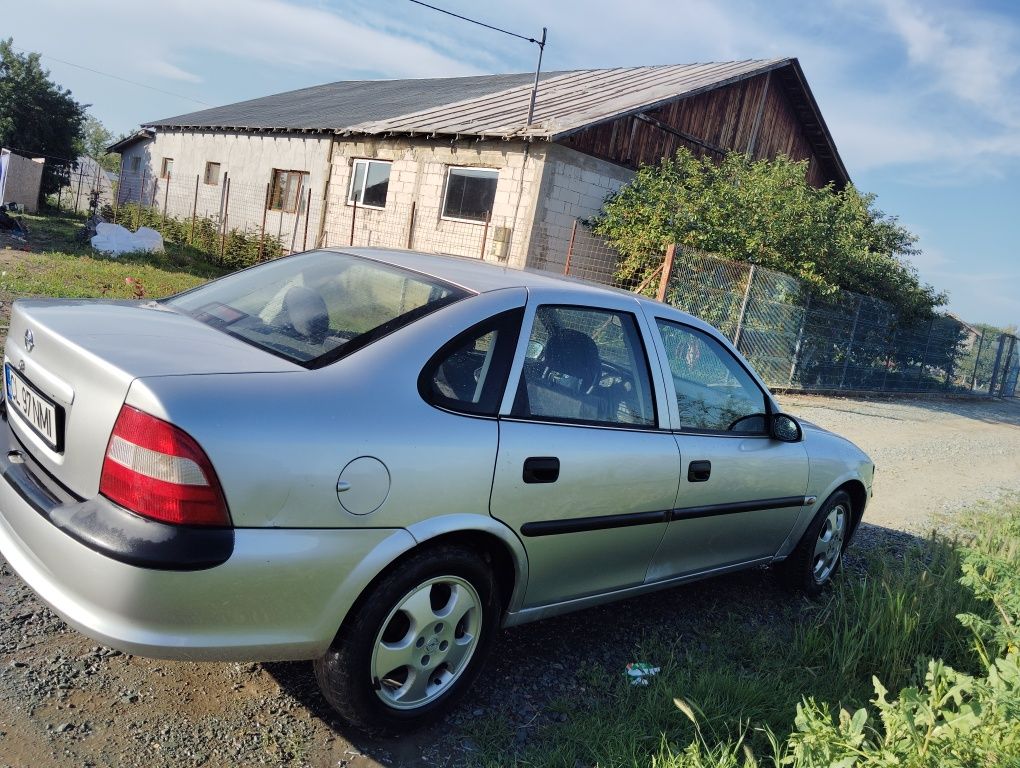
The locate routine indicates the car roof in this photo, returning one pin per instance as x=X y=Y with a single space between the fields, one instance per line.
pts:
x=481 y=276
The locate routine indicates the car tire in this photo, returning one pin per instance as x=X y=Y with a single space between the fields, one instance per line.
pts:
x=811 y=566
x=414 y=643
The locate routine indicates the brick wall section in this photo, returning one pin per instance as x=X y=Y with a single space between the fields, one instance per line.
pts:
x=574 y=186
x=418 y=175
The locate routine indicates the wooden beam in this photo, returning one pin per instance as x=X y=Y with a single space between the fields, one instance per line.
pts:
x=682 y=134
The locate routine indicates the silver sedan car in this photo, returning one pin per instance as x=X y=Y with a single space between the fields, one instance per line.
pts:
x=375 y=459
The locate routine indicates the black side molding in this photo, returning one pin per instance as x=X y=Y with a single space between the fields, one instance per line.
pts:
x=711 y=510
x=603 y=522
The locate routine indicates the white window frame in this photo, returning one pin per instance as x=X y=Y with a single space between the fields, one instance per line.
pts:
x=367 y=162
x=165 y=171
x=446 y=191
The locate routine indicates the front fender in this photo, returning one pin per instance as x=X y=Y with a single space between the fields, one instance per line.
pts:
x=822 y=493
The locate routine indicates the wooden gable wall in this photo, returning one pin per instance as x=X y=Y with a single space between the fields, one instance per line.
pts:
x=732 y=117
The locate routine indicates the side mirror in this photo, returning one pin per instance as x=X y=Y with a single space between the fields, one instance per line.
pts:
x=786 y=428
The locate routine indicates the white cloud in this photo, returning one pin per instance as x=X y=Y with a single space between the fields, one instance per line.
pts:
x=158 y=38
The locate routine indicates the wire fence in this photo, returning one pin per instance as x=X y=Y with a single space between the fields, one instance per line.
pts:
x=421 y=227
x=799 y=340
x=795 y=338
x=237 y=224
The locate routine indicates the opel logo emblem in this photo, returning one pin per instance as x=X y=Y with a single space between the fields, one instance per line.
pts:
x=29 y=340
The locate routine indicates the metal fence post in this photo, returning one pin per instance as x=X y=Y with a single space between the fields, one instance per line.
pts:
x=800 y=341
x=485 y=233
x=743 y=309
x=667 y=272
x=77 y=197
x=850 y=344
x=410 y=227
x=354 y=216
x=308 y=215
x=570 y=248
x=141 y=201
x=226 y=219
x=995 y=365
x=924 y=355
x=166 y=198
x=977 y=359
x=262 y=230
x=1007 y=365
x=194 y=212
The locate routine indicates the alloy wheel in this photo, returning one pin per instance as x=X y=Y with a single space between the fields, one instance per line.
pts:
x=426 y=642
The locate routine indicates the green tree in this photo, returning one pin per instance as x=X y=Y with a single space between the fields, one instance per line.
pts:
x=36 y=115
x=765 y=212
x=95 y=138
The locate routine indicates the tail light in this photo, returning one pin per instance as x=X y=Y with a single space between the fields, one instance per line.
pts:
x=158 y=471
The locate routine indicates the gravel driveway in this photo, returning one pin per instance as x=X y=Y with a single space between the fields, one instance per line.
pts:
x=66 y=701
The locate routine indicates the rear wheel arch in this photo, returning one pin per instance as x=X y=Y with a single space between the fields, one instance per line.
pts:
x=508 y=570
x=496 y=553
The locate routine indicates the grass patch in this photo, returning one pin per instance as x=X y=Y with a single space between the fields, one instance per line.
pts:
x=817 y=694
x=60 y=265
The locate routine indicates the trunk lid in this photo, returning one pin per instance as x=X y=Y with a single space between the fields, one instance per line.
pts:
x=82 y=356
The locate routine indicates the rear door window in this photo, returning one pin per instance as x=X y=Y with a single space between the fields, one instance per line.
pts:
x=585 y=365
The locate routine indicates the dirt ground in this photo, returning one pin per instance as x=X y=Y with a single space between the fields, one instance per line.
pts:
x=66 y=701
x=931 y=456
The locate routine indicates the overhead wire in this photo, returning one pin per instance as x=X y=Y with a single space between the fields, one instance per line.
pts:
x=116 y=77
x=474 y=21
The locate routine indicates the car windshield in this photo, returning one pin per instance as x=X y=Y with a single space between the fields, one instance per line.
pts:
x=315 y=307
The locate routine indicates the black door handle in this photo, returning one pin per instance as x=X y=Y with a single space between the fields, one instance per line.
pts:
x=699 y=471
x=541 y=469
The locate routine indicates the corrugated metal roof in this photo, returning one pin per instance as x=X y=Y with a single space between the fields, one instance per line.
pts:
x=567 y=101
x=487 y=105
x=337 y=106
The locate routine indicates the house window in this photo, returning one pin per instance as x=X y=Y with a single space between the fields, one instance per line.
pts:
x=286 y=190
x=212 y=174
x=136 y=164
x=369 y=182
x=470 y=193
x=167 y=169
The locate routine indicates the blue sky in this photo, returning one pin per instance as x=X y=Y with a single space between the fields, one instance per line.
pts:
x=922 y=98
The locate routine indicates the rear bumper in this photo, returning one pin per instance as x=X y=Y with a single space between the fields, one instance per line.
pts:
x=279 y=594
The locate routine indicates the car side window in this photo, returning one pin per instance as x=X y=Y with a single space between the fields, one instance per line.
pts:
x=713 y=391
x=468 y=374
x=586 y=365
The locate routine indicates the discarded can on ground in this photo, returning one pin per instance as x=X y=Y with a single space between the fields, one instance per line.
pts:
x=639 y=672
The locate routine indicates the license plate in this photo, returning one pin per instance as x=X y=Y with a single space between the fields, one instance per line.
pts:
x=40 y=413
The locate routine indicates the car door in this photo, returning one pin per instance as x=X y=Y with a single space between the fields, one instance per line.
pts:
x=584 y=473
x=740 y=491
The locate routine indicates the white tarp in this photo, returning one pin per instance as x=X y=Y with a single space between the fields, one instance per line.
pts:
x=115 y=239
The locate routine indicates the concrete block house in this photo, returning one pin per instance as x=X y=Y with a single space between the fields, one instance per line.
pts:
x=452 y=164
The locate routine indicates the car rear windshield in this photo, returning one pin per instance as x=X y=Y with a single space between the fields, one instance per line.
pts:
x=315 y=307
